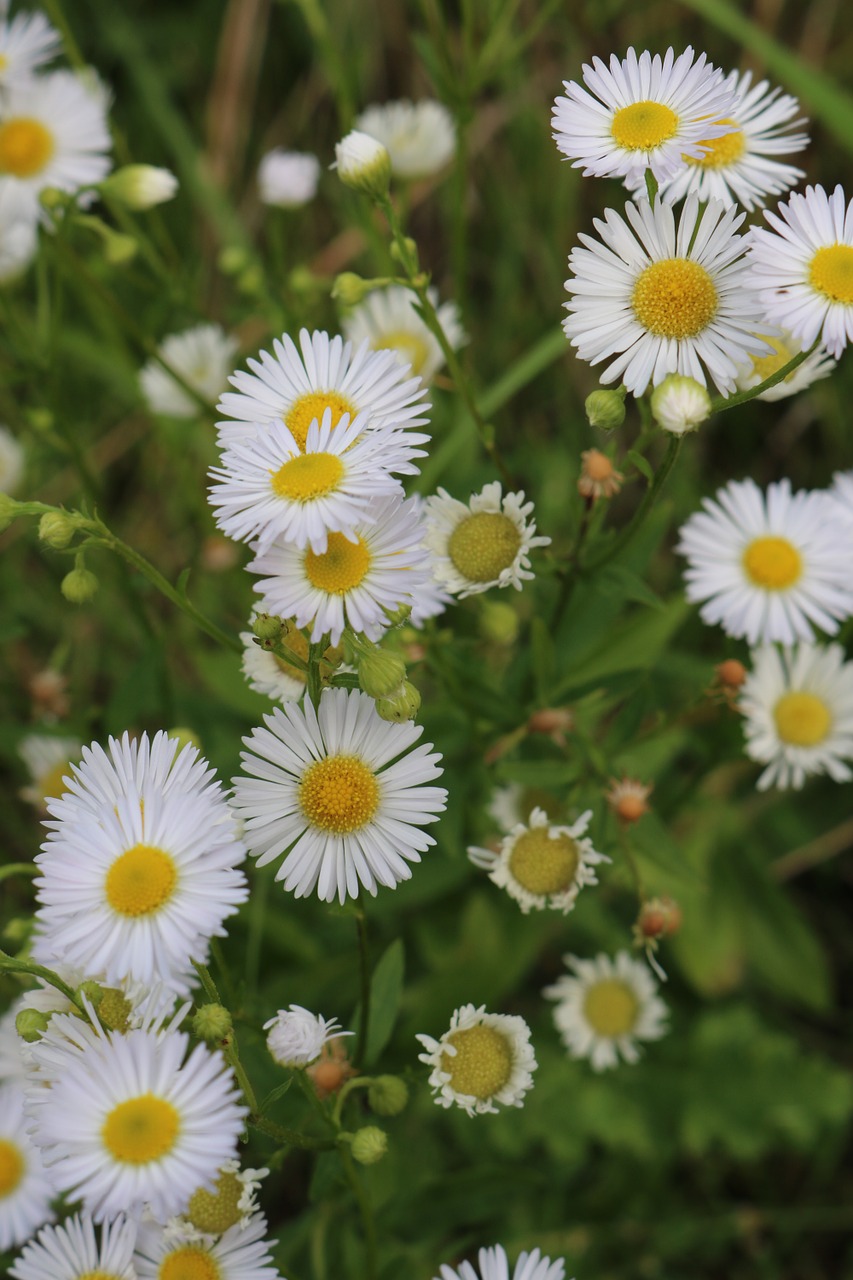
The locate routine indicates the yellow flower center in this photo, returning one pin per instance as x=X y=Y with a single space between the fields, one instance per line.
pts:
x=802 y=719
x=772 y=563
x=483 y=545
x=339 y=794
x=611 y=1007
x=674 y=298
x=140 y=881
x=296 y=642
x=25 y=147
x=339 y=568
x=114 y=1010
x=4 y=62
x=643 y=126
x=544 y=864
x=99 y=1275
x=410 y=346
x=312 y=405
x=831 y=272
x=216 y=1211
x=12 y=1167
x=141 y=1130
x=765 y=366
x=50 y=784
x=721 y=151
x=482 y=1064
x=189 y=1263
x=307 y=476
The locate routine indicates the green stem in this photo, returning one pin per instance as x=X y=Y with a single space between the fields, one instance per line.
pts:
x=569 y=572
x=649 y=499
x=315 y=684
x=720 y=403
x=18 y=869
x=368 y=1223
x=358 y=1082
x=289 y=1137
x=9 y=964
x=364 y=959
x=628 y=854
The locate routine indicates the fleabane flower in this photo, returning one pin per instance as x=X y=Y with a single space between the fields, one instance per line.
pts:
x=542 y=864
x=49 y=762
x=483 y=543
x=841 y=491
x=288 y=179
x=606 y=1007
x=783 y=347
x=493 y=1264
x=53 y=133
x=798 y=709
x=364 y=164
x=388 y=321
x=420 y=137
x=267 y=673
x=772 y=566
x=26 y=1190
x=664 y=294
x=239 y=1253
x=641 y=113
x=680 y=404
x=77 y=1250
x=202 y=355
x=27 y=41
x=341 y=792
x=484 y=1060
x=295 y=1036
x=139 y=869
x=803 y=267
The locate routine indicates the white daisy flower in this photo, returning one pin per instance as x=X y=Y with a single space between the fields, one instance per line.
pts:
x=49 y=761
x=803 y=268
x=364 y=164
x=842 y=492
x=18 y=235
x=484 y=543
x=268 y=487
x=72 y=1251
x=542 y=865
x=296 y=386
x=493 y=1264
x=202 y=356
x=387 y=320
x=288 y=179
x=13 y=1068
x=53 y=133
x=769 y=567
x=296 y=1036
x=606 y=1008
x=27 y=41
x=664 y=296
x=342 y=792
x=798 y=705
x=783 y=347
x=240 y=1253
x=268 y=674
x=379 y=566
x=483 y=1059
x=641 y=113
x=12 y=460
x=420 y=137
x=25 y=1187
x=131 y=1120
x=139 y=868
x=737 y=167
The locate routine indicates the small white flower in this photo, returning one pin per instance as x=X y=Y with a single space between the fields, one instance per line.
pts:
x=288 y=179
x=842 y=492
x=240 y=1253
x=72 y=1251
x=363 y=164
x=296 y=1036
x=606 y=1008
x=783 y=347
x=798 y=705
x=271 y=675
x=493 y=1264
x=483 y=544
x=49 y=762
x=141 y=186
x=483 y=1059
x=387 y=320
x=680 y=404
x=202 y=356
x=420 y=137
x=27 y=41
x=12 y=459
x=25 y=1187
x=18 y=236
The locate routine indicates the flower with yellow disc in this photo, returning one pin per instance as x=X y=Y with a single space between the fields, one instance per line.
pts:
x=482 y=543
x=77 y=1250
x=605 y=1006
x=484 y=1060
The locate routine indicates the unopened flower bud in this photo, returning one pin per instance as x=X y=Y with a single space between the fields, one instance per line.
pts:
x=92 y=991
x=606 y=409
x=350 y=289
x=140 y=186
x=369 y=1144
x=184 y=737
x=53 y=198
x=680 y=404
x=409 y=249
x=363 y=164
x=40 y=418
x=232 y=260
x=388 y=1095
x=267 y=627
x=380 y=673
x=553 y=721
x=31 y=1024
x=251 y=281
x=119 y=248
x=401 y=705
x=212 y=1023
x=731 y=674
x=56 y=529
x=79 y=585
x=658 y=918
x=498 y=622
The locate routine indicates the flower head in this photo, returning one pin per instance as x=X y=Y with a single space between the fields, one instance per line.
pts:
x=53 y=133
x=542 y=864
x=628 y=798
x=783 y=347
x=25 y=1186
x=483 y=1060
x=363 y=164
x=420 y=137
x=77 y=1249
x=605 y=1008
x=202 y=356
x=481 y=544
x=27 y=41
x=680 y=404
x=239 y=1253
x=295 y=1036
x=267 y=673
x=288 y=179
x=49 y=762
x=387 y=320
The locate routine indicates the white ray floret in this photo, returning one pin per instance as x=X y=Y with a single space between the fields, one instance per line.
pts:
x=420 y=137
x=27 y=41
x=483 y=543
x=18 y=240
x=387 y=320
x=288 y=179
x=295 y=1036
x=26 y=1188
x=769 y=567
x=842 y=492
x=53 y=133
x=203 y=356
x=493 y=1264
x=73 y=1250
x=784 y=346
x=606 y=1007
x=484 y=1060
x=341 y=792
x=240 y=1253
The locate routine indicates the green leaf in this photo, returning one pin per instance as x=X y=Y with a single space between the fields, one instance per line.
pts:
x=637 y=644
x=620 y=581
x=642 y=464
x=542 y=647
x=386 y=989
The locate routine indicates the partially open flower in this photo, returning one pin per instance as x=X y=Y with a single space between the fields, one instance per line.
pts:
x=598 y=478
x=627 y=798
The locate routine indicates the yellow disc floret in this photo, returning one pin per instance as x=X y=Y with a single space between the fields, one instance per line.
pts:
x=643 y=126
x=307 y=476
x=802 y=719
x=339 y=568
x=12 y=1167
x=26 y=146
x=721 y=151
x=772 y=563
x=296 y=642
x=98 y=1275
x=215 y=1211
x=674 y=298
x=410 y=346
x=141 y=1130
x=482 y=1064
x=831 y=272
x=483 y=545
x=611 y=1007
x=765 y=366
x=140 y=881
x=312 y=405
x=542 y=863
x=189 y=1263
x=339 y=794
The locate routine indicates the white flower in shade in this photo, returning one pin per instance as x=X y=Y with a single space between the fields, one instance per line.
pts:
x=268 y=487
x=783 y=347
x=482 y=1060
x=664 y=296
x=420 y=137
x=25 y=1188
x=364 y=164
x=295 y=1036
x=803 y=268
x=641 y=113
x=769 y=567
x=798 y=705
x=680 y=404
x=132 y=1120
x=13 y=1068
x=240 y=1253
x=541 y=864
x=11 y=461
x=72 y=1251
x=27 y=41
x=141 y=186
x=842 y=492
x=202 y=356
x=484 y=543
x=139 y=869
x=738 y=167
x=387 y=320
x=297 y=385
x=53 y=133
x=606 y=1008
x=271 y=675
x=49 y=762
x=352 y=583
x=231 y=1203
x=341 y=792
x=288 y=179
x=18 y=231
x=493 y=1264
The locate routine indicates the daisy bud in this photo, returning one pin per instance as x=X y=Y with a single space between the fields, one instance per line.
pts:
x=295 y=1036
x=628 y=799
x=403 y=704
x=396 y=617
x=31 y=1024
x=680 y=404
x=212 y=1023
x=658 y=918
x=232 y=260
x=79 y=585
x=56 y=529
x=119 y=248
x=267 y=627
x=114 y=1010
x=730 y=674
x=598 y=478
x=184 y=737
x=140 y=186
x=369 y=1144
x=498 y=622
x=606 y=409
x=381 y=673
x=363 y=164
x=350 y=289
x=388 y=1095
